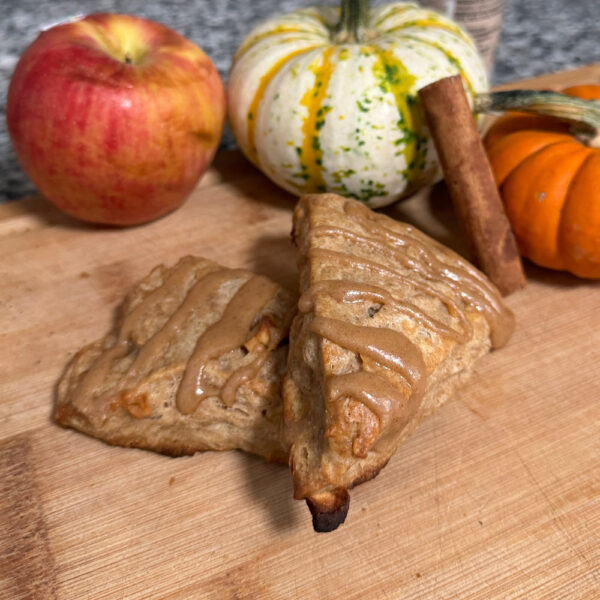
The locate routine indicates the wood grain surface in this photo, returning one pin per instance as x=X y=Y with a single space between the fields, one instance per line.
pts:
x=496 y=496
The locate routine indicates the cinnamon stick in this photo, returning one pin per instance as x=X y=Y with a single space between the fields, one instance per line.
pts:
x=471 y=184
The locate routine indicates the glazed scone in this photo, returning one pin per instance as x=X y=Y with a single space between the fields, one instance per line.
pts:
x=389 y=324
x=194 y=362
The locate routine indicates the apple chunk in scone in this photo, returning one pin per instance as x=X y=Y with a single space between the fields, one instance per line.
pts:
x=390 y=323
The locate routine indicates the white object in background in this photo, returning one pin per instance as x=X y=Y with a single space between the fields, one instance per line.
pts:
x=481 y=18
x=445 y=7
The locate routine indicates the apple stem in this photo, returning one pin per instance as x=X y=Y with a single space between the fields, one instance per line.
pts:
x=128 y=60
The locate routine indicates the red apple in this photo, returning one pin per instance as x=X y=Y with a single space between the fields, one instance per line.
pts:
x=115 y=118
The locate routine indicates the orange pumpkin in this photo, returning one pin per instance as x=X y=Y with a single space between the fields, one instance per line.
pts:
x=549 y=179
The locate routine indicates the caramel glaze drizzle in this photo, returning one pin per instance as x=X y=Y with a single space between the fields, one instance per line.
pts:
x=466 y=282
x=392 y=349
x=389 y=348
x=228 y=333
x=376 y=393
x=199 y=295
x=242 y=375
x=180 y=278
x=464 y=279
x=355 y=291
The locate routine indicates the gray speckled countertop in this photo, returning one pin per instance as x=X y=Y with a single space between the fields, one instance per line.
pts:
x=538 y=36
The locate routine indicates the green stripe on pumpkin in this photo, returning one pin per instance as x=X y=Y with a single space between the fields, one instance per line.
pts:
x=449 y=56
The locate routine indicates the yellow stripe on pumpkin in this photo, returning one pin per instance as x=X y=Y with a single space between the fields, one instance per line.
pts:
x=258 y=96
x=278 y=30
x=393 y=12
x=432 y=24
x=311 y=156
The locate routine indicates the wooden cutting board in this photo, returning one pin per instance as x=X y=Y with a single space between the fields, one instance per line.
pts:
x=496 y=496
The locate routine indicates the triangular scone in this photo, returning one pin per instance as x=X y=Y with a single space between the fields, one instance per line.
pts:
x=194 y=363
x=390 y=322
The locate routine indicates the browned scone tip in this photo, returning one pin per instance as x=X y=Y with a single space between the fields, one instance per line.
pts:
x=390 y=323
x=194 y=362
x=329 y=509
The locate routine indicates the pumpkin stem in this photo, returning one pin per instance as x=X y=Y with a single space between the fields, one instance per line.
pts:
x=584 y=115
x=354 y=22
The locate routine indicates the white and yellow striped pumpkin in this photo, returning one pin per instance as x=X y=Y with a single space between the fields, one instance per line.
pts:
x=325 y=99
